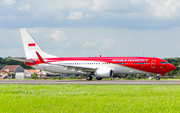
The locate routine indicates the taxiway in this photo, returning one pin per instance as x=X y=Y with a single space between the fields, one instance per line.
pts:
x=93 y=82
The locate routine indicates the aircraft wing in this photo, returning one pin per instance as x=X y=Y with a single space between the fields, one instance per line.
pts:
x=67 y=67
x=76 y=68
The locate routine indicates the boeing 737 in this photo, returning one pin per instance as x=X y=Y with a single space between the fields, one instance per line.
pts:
x=100 y=67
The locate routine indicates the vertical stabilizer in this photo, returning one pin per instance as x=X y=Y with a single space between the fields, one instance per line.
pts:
x=31 y=47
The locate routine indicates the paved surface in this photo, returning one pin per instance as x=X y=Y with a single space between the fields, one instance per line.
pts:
x=93 y=82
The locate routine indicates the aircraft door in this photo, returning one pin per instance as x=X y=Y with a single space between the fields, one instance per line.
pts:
x=153 y=63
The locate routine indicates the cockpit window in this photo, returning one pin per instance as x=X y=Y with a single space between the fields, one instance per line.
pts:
x=163 y=62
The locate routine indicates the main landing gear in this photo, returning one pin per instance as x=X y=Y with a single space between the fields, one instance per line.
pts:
x=158 y=77
x=98 y=78
x=89 y=77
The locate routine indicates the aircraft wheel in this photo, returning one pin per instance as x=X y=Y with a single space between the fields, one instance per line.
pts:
x=158 y=78
x=89 y=77
x=99 y=78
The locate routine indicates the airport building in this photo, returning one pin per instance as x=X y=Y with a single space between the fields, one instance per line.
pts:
x=10 y=69
x=29 y=72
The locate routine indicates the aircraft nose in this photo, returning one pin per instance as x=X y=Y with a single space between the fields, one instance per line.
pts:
x=172 y=67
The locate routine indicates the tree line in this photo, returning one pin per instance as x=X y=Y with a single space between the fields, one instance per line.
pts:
x=13 y=62
x=176 y=63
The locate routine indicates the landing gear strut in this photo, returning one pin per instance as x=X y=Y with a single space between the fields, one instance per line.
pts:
x=89 y=77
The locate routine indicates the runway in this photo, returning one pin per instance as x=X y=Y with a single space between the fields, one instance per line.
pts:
x=94 y=82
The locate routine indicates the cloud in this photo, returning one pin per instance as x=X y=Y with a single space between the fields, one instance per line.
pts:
x=94 y=41
x=60 y=40
x=25 y=7
x=58 y=35
x=146 y=9
x=107 y=42
x=101 y=5
x=59 y=9
x=130 y=14
x=87 y=15
x=164 y=9
x=75 y=15
x=89 y=44
x=8 y=2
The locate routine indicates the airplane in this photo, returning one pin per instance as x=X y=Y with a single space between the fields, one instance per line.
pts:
x=100 y=67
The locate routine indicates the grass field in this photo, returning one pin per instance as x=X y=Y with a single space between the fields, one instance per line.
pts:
x=90 y=98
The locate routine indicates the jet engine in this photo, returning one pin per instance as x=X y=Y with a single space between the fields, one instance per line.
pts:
x=103 y=73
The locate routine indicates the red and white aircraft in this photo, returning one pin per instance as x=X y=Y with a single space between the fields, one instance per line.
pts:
x=100 y=67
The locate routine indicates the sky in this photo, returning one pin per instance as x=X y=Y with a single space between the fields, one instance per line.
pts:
x=92 y=27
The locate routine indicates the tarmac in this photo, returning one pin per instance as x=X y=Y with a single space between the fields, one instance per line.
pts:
x=94 y=82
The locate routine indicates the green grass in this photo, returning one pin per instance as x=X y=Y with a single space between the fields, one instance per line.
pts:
x=90 y=98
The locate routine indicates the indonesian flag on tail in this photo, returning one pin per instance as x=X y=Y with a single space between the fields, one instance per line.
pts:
x=31 y=45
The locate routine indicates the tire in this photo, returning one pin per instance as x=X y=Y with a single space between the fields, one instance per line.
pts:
x=99 y=78
x=158 y=78
x=89 y=77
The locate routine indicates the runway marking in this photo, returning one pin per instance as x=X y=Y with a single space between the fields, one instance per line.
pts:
x=93 y=82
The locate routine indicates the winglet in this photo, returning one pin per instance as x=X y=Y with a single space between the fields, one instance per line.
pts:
x=40 y=58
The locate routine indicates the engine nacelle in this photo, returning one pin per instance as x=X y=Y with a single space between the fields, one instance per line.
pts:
x=103 y=73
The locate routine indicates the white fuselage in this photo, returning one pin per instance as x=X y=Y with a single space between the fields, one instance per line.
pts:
x=55 y=68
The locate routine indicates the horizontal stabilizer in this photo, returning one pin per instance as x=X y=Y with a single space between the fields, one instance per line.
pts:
x=22 y=60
